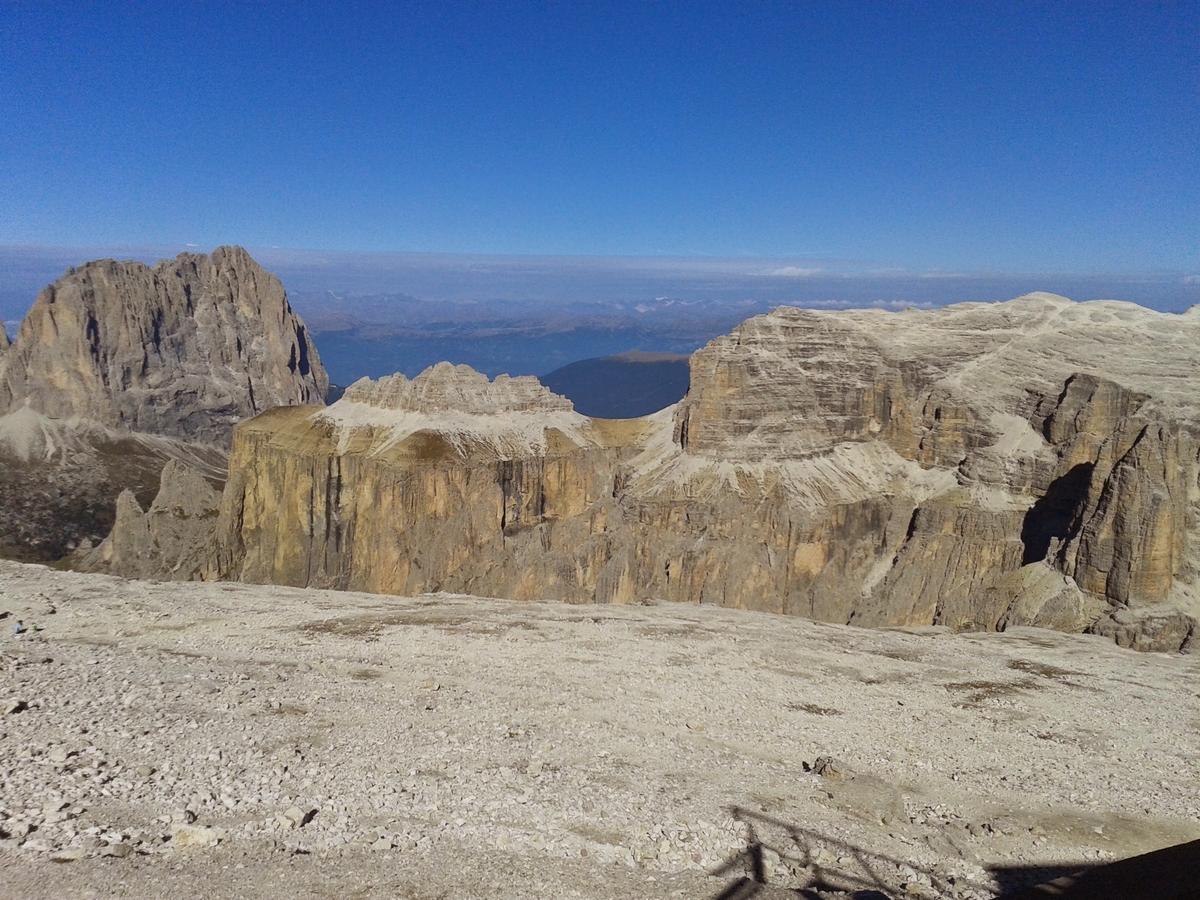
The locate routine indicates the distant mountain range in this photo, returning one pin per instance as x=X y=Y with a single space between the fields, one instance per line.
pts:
x=624 y=386
x=376 y=335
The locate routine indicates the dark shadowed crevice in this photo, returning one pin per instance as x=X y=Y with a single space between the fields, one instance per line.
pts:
x=302 y=343
x=1051 y=516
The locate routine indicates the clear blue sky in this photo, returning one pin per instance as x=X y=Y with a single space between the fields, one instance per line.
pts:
x=969 y=135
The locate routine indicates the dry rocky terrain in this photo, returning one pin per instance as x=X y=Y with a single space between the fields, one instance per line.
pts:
x=222 y=739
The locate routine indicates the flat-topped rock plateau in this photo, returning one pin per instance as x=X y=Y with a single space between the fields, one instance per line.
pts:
x=233 y=740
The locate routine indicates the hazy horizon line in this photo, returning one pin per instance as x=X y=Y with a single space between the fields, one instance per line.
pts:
x=800 y=266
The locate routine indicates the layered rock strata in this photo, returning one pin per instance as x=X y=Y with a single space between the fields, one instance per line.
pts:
x=979 y=466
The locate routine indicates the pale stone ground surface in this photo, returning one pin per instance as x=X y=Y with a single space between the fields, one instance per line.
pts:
x=459 y=747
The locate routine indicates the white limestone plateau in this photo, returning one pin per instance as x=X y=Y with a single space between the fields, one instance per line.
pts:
x=246 y=741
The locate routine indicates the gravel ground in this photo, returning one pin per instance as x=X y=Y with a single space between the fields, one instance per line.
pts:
x=236 y=740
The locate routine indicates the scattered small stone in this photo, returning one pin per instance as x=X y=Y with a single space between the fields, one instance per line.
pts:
x=118 y=851
x=56 y=811
x=11 y=707
x=62 y=856
x=188 y=836
x=298 y=817
x=825 y=767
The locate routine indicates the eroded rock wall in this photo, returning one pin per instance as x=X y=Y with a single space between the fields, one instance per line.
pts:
x=846 y=467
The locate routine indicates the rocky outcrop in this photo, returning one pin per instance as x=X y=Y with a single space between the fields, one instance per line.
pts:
x=981 y=466
x=413 y=486
x=59 y=480
x=185 y=348
x=120 y=368
x=447 y=390
x=169 y=539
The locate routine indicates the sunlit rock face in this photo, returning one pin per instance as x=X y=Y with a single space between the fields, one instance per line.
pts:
x=979 y=466
x=446 y=388
x=120 y=368
x=185 y=348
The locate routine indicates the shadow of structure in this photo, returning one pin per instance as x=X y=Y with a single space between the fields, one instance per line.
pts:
x=860 y=874
x=1172 y=873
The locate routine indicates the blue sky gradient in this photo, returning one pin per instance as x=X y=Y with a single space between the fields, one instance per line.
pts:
x=939 y=137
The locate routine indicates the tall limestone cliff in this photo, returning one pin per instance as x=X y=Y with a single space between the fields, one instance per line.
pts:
x=978 y=466
x=185 y=348
x=119 y=368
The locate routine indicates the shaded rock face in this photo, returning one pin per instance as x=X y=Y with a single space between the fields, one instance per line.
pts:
x=939 y=467
x=169 y=539
x=186 y=348
x=59 y=480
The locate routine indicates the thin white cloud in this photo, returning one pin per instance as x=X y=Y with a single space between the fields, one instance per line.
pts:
x=792 y=272
x=1191 y=279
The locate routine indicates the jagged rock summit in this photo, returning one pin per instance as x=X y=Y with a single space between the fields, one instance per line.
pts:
x=120 y=367
x=506 y=417
x=447 y=388
x=185 y=348
x=978 y=466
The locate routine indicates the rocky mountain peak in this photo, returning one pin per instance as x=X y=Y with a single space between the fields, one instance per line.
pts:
x=185 y=348
x=445 y=387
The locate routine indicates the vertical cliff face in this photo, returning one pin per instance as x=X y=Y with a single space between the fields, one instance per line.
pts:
x=445 y=482
x=185 y=348
x=1131 y=538
x=968 y=467
x=791 y=384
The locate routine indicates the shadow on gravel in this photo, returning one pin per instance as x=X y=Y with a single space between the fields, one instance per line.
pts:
x=1172 y=873
x=861 y=879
